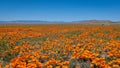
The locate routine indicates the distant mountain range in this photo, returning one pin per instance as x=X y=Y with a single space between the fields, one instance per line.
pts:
x=59 y=22
x=24 y=22
x=106 y=22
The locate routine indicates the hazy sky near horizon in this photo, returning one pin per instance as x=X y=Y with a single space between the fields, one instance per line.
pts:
x=59 y=10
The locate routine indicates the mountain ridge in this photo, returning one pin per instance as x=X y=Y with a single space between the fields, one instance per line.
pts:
x=58 y=22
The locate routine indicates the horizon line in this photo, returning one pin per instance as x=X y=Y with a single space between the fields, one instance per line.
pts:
x=61 y=20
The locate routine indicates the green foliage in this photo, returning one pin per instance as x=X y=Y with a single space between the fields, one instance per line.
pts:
x=117 y=38
x=3 y=47
x=9 y=56
x=71 y=33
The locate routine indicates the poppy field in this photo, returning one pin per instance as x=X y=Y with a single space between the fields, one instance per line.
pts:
x=59 y=46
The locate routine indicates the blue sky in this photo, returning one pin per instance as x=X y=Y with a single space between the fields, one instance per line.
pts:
x=59 y=10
